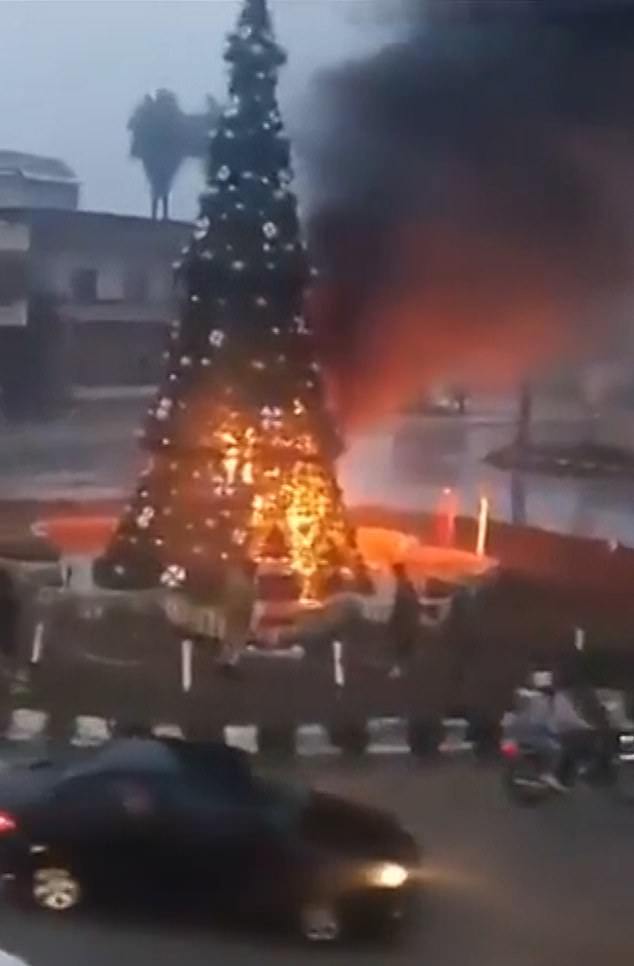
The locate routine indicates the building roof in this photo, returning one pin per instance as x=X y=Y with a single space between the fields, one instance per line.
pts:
x=68 y=216
x=35 y=167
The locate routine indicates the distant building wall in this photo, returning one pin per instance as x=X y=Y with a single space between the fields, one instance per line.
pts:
x=103 y=285
x=18 y=191
x=116 y=354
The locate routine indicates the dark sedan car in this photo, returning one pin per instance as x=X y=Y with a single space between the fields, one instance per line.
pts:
x=175 y=825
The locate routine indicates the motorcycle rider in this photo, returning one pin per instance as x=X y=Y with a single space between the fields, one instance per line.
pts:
x=548 y=720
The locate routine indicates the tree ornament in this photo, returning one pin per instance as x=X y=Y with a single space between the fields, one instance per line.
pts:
x=173 y=576
x=223 y=173
x=217 y=338
x=145 y=517
x=238 y=265
x=270 y=230
x=164 y=408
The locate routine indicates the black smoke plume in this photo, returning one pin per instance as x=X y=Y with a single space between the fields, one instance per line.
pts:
x=476 y=199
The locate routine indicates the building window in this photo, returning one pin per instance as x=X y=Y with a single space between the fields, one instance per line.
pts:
x=136 y=286
x=13 y=278
x=83 y=285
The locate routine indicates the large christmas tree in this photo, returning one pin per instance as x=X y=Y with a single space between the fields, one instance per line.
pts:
x=242 y=447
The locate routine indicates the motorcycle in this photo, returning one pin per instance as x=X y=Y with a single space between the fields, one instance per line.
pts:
x=526 y=784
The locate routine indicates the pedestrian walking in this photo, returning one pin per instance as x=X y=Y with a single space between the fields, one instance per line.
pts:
x=237 y=606
x=404 y=621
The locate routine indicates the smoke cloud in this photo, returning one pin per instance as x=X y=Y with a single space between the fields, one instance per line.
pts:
x=475 y=207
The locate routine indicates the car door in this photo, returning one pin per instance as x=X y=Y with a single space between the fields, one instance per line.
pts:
x=105 y=827
x=216 y=834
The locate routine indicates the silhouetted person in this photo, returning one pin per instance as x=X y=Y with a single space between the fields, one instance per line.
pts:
x=404 y=621
x=238 y=603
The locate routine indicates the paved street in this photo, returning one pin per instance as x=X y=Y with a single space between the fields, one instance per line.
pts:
x=549 y=887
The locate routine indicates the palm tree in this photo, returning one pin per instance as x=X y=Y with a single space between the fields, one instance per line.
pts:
x=160 y=139
x=163 y=136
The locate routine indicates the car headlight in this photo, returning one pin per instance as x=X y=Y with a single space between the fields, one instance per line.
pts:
x=387 y=875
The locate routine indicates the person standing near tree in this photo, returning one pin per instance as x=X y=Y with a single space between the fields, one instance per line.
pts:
x=404 y=621
x=238 y=603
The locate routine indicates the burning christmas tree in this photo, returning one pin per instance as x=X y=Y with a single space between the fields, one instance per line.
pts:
x=242 y=446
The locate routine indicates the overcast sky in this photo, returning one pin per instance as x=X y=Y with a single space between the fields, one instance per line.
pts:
x=72 y=70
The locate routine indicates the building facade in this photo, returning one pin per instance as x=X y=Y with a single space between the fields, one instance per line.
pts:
x=85 y=299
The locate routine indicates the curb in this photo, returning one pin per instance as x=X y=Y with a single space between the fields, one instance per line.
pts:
x=373 y=737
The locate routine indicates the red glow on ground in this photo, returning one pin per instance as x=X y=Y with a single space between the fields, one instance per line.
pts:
x=77 y=534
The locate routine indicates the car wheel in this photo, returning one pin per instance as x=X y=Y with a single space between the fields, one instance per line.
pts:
x=320 y=922
x=55 y=889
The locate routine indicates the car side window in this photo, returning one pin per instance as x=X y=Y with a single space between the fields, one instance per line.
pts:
x=210 y=800
x=106 y=796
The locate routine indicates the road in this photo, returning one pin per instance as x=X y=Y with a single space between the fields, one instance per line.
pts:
x=546 y=887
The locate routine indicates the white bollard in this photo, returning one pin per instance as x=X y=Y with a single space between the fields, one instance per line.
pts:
x=166 y=731
x=244 y=737
x=26 y=725
x=187 y=664
x=37 y=644
x=313 y=740
x=337 y=660
x=90 y=731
